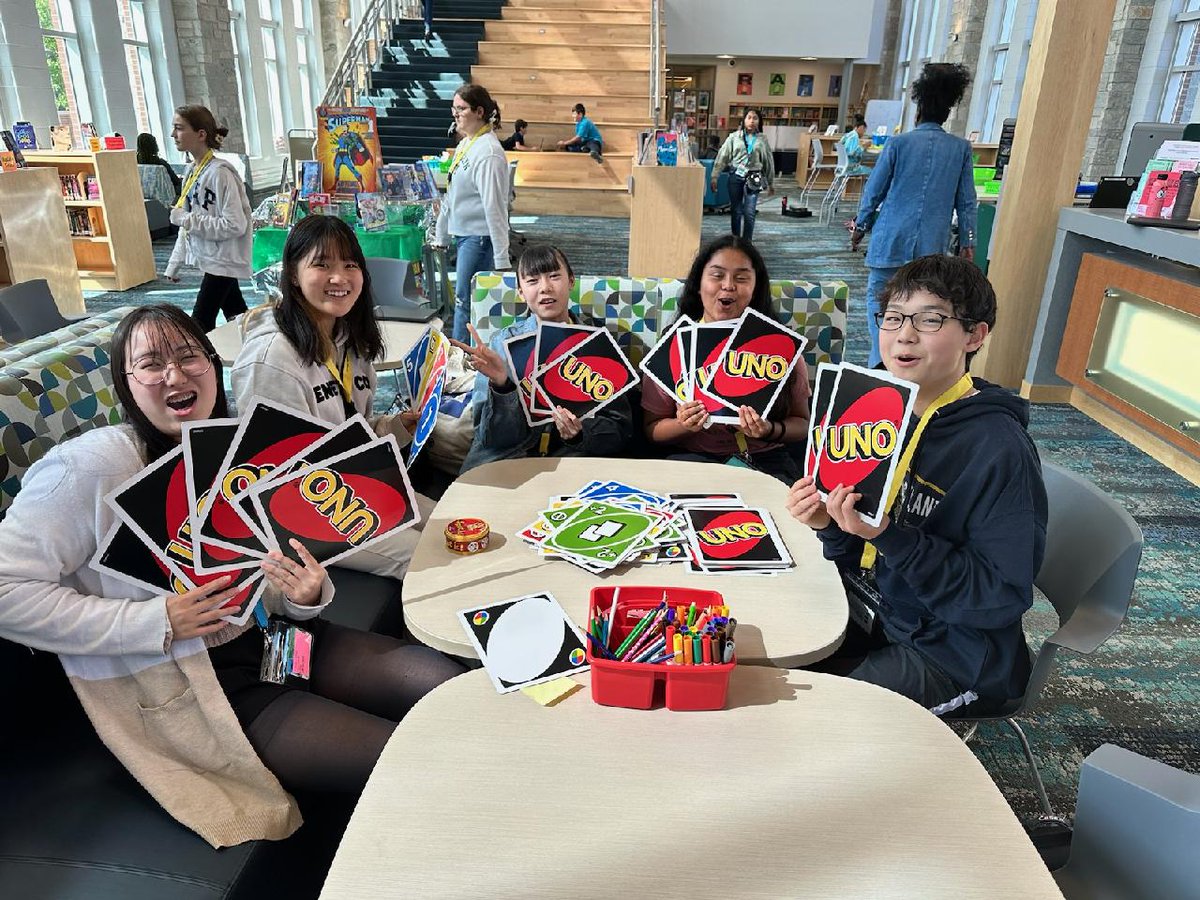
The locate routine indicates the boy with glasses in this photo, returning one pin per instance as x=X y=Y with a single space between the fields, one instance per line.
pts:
x=949 y=570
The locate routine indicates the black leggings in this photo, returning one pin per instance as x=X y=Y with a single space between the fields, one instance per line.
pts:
x=217 y=292
x=327 y=735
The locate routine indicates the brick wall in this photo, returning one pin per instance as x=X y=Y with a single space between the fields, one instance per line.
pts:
x=966 y=20
x=1114 y=98
x=206 y=58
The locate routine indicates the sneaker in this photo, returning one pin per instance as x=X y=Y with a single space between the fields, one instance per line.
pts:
x=428 y=34
x=595 y=154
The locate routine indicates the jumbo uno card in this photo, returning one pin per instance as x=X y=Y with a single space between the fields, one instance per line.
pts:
x=414 y=364
x=518 y=353
x=524 y=641
x=354 y=432
x=340 y=505
x=601 y=533
x=867 y=425
x=122 y=554
x=268 y=435
x=154 y=504
x=735 y=537
x=827 y=374
x=551 y=340
x=755 y=364
x=665 y=365
x=204 y=445
x=708 y=344
x=426 y=419
x=588 y=377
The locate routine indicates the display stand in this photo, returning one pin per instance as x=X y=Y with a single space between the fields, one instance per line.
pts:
x=34 y=239
x=666 y=207
x=118 y=254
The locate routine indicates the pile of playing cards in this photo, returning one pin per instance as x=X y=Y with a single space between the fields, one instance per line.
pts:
x=606 y=524
x=858 y=426
x=577 y=367
x=236 y=489
x=725 y=365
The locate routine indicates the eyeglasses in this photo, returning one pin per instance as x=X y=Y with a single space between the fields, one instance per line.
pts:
x=924 y=322
x=151 y=372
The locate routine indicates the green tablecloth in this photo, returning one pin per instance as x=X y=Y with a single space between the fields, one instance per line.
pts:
x=396 y=242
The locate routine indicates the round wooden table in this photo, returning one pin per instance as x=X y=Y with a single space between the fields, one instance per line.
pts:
x=806 y=785
x=788 y=619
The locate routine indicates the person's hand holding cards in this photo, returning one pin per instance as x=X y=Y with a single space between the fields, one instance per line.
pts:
x=299 y=582
x=805 y=505
x=568 y=424
x=840 y=506
x=198 y=612
x=753 y=425
x=691 y=415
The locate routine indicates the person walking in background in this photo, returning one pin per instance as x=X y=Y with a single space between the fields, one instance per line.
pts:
x=587 y=135
x=147 y=155
x=921 y=179
x=428 y=4
x=752 y=170
x=213 y=215
x=475 y=209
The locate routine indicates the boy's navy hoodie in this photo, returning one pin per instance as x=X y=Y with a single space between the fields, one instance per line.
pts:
x=956 y=565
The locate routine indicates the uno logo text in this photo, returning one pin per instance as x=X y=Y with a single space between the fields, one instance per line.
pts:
x=335 y=500
x=766 y=367
x=867 y=440
x=575 y=371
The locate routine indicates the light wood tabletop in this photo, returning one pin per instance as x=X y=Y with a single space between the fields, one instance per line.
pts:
x=788 y=619
x=806 y=785
x=398 y=338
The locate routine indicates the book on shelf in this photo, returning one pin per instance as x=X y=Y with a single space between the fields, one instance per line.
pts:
x=73 y=187
x=279 y=210
x=318 y=204
x=371 y=211
x=25 y=135
x=83 y=222
x=60 y=138
x=91 y=187
x=10 y=143
x=8 y=162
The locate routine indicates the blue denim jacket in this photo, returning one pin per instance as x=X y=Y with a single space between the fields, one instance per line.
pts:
x=921 y=177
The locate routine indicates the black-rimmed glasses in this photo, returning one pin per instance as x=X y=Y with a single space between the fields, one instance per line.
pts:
x=924 y=322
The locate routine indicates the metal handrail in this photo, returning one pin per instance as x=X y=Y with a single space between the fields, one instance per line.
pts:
x=352 y=77
x=656 y=61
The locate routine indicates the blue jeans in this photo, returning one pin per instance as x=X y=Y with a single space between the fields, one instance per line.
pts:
x=876 y=279
x=743 y=207
x=585 y=147
x=474 y=255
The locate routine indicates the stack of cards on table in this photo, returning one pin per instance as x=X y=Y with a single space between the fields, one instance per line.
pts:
x=577 y=367
x=725 y=365
x=423 y=383
x=859 y=422
x=608 y=524
x=236 y=489
x=725 y=537
x=525 y=641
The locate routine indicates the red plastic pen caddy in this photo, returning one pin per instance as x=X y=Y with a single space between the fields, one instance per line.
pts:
x=645 y=686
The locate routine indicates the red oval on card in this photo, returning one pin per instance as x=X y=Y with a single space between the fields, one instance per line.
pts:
x=579 y=379
x=881 y=404
x=757 y=364
x=732 y=535
x=352 y=509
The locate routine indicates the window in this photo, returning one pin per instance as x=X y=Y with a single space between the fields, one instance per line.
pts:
x=141 y=71
x=1183 y=78
x=61 y=42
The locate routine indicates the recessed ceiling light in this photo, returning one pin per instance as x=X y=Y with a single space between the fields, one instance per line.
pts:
x=724 y=56
x=808 y=59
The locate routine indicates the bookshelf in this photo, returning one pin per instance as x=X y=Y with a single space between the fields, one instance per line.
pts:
x=793 y=114
x=109 y=233
x=34 y=240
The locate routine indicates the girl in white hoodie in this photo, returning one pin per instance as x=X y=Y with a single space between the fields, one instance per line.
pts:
x=213 y=215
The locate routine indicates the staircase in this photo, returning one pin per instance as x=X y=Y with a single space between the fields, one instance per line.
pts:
x=537 y=58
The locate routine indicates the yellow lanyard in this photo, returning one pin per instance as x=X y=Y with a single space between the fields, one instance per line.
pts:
x=960 y=389
x=345 y=378
x=462 y=151
x=190 y=182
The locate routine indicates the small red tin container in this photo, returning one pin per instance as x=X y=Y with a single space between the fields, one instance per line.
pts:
x=645 y=686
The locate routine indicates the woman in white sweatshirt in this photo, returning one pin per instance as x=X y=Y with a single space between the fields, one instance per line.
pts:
x=213 y=215
x=475 y=208
x=314 y=350
x=172 y=690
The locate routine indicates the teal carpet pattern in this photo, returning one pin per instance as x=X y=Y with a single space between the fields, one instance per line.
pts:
x=1138 y=690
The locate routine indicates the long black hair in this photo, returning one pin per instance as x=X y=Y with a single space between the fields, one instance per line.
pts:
x=689 y=297
x=757 y=112
x=166 y=323
x=541 y=259
x=938 y=90
x=327 y=236
x=691 y=306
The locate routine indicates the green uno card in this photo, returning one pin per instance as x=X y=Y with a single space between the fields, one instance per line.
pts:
x=601 y=533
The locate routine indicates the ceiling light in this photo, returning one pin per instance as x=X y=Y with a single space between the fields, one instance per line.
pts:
x=808 y=59
x=724 y=56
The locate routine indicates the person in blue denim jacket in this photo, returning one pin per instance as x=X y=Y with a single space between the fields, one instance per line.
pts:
x=544 y=279
x=922 y=177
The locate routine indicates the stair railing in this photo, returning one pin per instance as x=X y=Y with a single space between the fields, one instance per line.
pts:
x=352 y=77
x=657 y=60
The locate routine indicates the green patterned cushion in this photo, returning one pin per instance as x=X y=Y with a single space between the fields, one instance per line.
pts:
x=17 y=352
x=49 y=397
x=638 y=309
